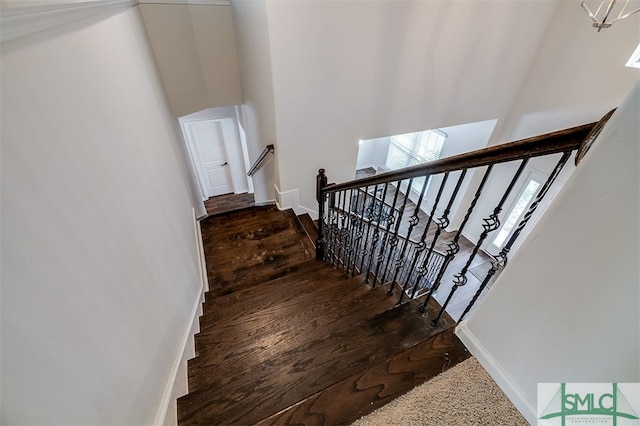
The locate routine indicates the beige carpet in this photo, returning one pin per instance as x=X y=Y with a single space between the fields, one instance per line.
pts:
x=463 y=395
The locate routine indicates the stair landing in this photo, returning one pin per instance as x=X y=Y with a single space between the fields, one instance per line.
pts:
x=286 y=339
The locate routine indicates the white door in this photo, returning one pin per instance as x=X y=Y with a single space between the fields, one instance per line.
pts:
x=206 y=140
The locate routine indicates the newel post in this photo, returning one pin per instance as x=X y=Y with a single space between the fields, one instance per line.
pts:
x=321 y=182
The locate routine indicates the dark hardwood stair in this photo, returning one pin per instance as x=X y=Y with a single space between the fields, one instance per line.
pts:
x=252 y=246
x=310 y=226
x=293 y=341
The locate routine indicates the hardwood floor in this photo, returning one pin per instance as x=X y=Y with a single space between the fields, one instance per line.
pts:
x=286 y=339
x=228 y=202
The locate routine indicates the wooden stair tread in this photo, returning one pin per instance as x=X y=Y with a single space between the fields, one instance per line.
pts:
x=252 y=298
x=309 y=227
x=280 y=377
x=368 y=390
x=252 y=246
x=282 y=326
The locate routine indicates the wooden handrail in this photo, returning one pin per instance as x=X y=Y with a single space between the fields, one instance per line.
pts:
x=267 y=149
x=536 y=146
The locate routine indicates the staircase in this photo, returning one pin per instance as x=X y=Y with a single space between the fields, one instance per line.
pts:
x=287 y=339
x=306 y=325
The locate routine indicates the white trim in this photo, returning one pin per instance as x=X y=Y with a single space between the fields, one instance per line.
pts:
x=18 y=20
x=287 y=199
x=189 y=2
x=243 y=144
x=290 y=200
x=312 y=213
x=201 y=259
x=187 y=338
x=165 y=402
x=499 y=375
x=185 y=126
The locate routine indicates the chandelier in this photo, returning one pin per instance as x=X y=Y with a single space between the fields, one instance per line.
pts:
x=608 y=12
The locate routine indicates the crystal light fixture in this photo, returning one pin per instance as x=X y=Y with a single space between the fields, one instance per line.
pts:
x=608 y=12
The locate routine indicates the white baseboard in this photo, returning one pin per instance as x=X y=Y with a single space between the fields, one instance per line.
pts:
x=176 y=385
x=499 y=375
x=289 y=200
x=302 y=210
x=286 y=199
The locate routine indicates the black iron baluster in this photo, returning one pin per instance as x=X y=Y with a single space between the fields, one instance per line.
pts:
x=368 y=226
x=422 y=245
x=331 y=227
x=454 y=247
x=383 y=244
x=344 y=230
x=490 y=224
x=321 y=182
x=338 y=230
x=501 y=259
x=359 y=234
x=441 y=223
x=353 y=223
x=419 y=248
x=376 y=232
x=337 y=242
x=413 y=220
x=394 y=238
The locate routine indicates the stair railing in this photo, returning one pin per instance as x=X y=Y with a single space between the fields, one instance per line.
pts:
x=267 y=149
x=367 y=226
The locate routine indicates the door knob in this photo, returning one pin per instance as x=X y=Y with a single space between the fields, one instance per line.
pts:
x=224 y=164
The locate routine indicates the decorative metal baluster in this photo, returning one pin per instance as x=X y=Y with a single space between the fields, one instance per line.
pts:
x=337 y=242
x=422 y=245
x=331 y=227
x=394 y=238
x=454 y=247
x=419 y=248
x=368 y=226
x=490 y=224
x=413 y=220
x=344 y=230
x=359 y=233
x=353 y=225
x=338 y=230
x=441 y=223
x=390 y=220
x=501 y=259
x=321 y=182
x=376 y=232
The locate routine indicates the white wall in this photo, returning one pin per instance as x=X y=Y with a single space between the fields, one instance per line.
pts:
x=566 y=308
x=372 y=153
x=577 y=75
x=100 y=274
x=194 y=47
x=344 y=71
x=257 y=114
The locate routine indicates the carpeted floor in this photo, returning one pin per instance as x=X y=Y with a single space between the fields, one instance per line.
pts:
x=463 y=395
